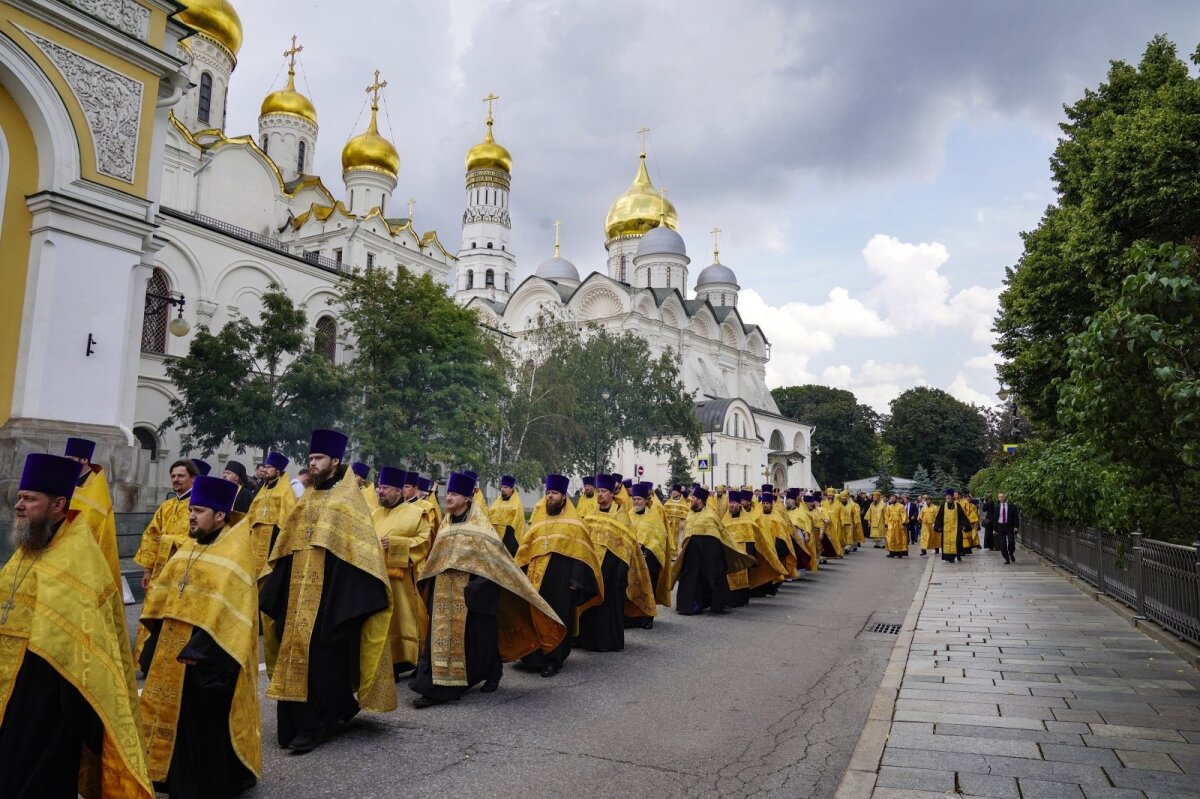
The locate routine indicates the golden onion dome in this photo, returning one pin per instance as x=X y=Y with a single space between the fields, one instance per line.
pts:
x=640 y=209
x=489 y=155
x=289 y=101
x=216 y=19
x=371 y=151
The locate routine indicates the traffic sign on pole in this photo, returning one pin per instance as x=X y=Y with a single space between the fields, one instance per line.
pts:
x=702 y=464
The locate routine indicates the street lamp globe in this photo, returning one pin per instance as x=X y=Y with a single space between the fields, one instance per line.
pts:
x=604 y=395
x=179 y=327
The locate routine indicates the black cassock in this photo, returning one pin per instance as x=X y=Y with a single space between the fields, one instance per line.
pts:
x=481 y=648
x=203 y=763
x=349 y=597
x=653 y=566
x=510 y=540
x=46 y=725
x=567 y=584
x=602 y=628
x=702 y=581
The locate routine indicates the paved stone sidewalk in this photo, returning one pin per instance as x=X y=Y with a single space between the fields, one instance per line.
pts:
x=1015 y=684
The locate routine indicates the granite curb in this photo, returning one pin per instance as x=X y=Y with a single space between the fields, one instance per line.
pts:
x=859 y=780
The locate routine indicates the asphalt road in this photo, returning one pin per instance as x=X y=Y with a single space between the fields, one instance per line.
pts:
x=767 y=701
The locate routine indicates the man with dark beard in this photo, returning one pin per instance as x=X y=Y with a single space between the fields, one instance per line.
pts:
x=329 y=597
x=627 y=588
x=507 y=514
x=483 y=610
x=706 y=555
x=167 y=530
x=559 y=561
x=199 y=708
x=647 y=526
x=587 y=497
x=93 y=501
x=67 y=718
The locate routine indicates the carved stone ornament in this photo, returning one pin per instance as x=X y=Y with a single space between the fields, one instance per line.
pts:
x=124 y=15
x=111 y=103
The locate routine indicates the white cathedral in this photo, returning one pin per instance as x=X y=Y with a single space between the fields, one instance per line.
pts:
x=226 y=216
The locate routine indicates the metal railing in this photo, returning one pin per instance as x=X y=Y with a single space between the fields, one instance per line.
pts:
x=1160 y=581
x=266 y=242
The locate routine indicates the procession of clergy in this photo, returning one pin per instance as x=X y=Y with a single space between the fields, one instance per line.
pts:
x=352 y=586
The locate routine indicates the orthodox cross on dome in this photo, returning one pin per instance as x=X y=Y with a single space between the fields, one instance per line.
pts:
x=412 y=203
x=374 y=90
x=716 y=234
x=291 y=54
x=662 y=205
x=642 y=132
x=557 y=225
x=491 y=98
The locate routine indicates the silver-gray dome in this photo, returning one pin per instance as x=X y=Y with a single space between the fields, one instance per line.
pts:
x=716 y=273
x=557 y=268
x=661 y=240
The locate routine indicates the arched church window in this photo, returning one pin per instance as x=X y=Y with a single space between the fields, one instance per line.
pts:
x=489 y=245
x=205 y=97
x=301 y=151
x=147 y=440
x=668 y=275
x=470 y=278
x=622 y=273
x=506 y=282
x=325 y=340
x=489 y=279
x=265 y=142
x=156 y=313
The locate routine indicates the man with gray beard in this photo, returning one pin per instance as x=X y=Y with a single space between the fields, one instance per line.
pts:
x=67 y=720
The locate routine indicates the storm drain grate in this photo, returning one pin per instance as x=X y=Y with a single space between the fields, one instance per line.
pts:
x=886 y=629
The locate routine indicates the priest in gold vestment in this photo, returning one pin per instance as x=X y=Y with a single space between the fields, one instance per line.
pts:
x=927 y=516
x=559 y=561
x=403 y=530
x=94 y=502
x=953 y=525
x=329 y=598
x=627 y=587
x=675 y=511
x=507 y=514
x=168 y=529
x=483 y=611
x=646 y=524
x=199 y=707
x=270 y=507
x=587 y=497
x=68 y=724
x=707 y=555
x=895 y=521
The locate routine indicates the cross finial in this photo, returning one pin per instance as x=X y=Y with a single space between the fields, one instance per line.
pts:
x=642 y=132
x=290 y=54
x=557 y=226
x=374 y=90
x=491 y=98
x=716 y=234
x=411 y=204
x=662 y=205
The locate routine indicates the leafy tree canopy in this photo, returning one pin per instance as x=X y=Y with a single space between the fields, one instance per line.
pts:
x=927 y=425
x=1124 y=171
x=845 y=430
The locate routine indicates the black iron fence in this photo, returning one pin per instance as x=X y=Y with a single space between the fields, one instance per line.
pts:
x=1160 y=581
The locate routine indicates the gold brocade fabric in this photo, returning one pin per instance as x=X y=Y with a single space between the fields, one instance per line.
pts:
x=218 y=594
x=612 y=532
x=972 y=514
x=335 y=521
x=705 y=522
x=586 y=505
x=856 y=522
x=769 y=568
x=433 y=514
x=169 y=520
x=270 y=507
x=564 y=534
x=508 y=513
x=950 y=525
x=623 y=500
x=742 y=530
x=780 y=529
x=835 y=529
x=894 y=519
x=930 y=538
x=875 y=518
x=371 y=495
x=94 y=503
x=448 y=641
x=406 y=529
x=524 y=621
x=649 y=531
x=65 y=611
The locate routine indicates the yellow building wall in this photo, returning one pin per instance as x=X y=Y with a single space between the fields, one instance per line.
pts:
x=14 y=240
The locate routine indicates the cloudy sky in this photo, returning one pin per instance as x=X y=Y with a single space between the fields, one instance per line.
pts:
x=871 y=164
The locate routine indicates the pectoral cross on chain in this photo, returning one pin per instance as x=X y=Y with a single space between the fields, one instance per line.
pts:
x=184 y=583
x=8 y=605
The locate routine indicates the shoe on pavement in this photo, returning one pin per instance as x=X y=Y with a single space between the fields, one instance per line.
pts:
x=425 y=701
x=490 y=685
x=922 y=553
x=550 y=670
x=303 y=744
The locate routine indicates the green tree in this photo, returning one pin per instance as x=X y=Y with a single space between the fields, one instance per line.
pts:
x=883 y=480
x=647 y=403
x=1133 y=395
x=428 y=382
x=679 y=465
x=260 y=387
x=927 y=425
x=945 y=479
x=923 y=483
x=1124 y=171
x=845 y=430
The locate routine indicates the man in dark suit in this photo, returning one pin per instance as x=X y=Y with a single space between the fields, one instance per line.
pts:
x=1008 y=522
x=988 y=513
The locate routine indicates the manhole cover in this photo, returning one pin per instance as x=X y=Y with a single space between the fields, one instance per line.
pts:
x=886 y=629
